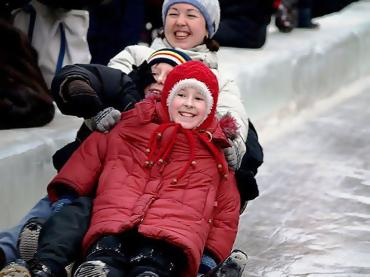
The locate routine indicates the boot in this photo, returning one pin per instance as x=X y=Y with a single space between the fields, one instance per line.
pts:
x=28 y=238
x=39 y=269
x=233 y=266
x=305 y=19
x=16 y=269
x=148 y=274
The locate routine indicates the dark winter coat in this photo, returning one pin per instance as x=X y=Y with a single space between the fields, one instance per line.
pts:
x=24 y=97
x=23 y=107
x=113 y=89
x=200 y=210
x=244 y=22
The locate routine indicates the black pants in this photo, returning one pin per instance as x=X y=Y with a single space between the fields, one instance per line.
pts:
x=305 y=4
x=60 y=238
x=131 y=254
x=242 y=33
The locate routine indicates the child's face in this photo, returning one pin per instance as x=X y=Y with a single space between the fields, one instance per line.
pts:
x=188 y=108
x=185 y=26
x=160 y=72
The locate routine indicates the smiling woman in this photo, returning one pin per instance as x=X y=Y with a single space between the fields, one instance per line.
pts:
x=184 y=26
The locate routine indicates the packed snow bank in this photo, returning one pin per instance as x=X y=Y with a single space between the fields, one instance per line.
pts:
x=289 y=73
x=294 y=70
x=26 y=164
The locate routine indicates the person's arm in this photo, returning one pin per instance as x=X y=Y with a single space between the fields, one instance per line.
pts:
x=83 y=90
x=131 y=55
x=81 y=172
x=251 y=161
x=229 y=101
x=225 y=221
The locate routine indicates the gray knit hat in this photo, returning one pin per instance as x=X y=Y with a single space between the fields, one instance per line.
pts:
x=210 y=9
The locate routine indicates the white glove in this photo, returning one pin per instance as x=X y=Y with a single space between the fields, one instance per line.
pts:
x=232 y=156
x=105 y=120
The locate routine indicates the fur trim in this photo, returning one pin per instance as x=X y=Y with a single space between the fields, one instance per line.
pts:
x=229 y=126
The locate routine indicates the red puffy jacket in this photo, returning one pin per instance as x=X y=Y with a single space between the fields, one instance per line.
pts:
x=200 y=210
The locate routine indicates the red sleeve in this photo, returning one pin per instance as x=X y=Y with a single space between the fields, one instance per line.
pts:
x=226 y=219
x=82 y=170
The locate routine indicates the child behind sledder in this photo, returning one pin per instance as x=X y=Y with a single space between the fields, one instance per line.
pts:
x=162 y=187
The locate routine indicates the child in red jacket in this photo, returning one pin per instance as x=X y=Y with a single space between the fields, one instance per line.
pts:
x=163 y=190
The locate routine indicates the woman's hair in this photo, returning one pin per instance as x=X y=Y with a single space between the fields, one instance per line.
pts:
x=211 y=43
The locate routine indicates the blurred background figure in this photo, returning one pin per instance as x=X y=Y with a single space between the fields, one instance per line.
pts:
x=244 y=23
x=115 y=24
x=305 y=15
x=57 y=29
x=294 y=14
x=153 y=19
x=286 y=15
x=299 y=13
x=24 y=96
x=322 y=7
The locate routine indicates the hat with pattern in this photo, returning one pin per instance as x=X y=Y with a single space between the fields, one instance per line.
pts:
x=167 y=55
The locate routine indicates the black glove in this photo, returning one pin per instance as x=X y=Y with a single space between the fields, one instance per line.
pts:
x=80 y=99
x=142 y=76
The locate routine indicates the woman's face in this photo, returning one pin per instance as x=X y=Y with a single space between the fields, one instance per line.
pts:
x=185 y=26
x=160 y=72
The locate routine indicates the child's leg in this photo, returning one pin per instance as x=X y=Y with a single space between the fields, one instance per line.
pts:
x=9 y=238
x=29 y=235
x=156 y=258
x=207 y=263
x=106 y=258
x=61 y=236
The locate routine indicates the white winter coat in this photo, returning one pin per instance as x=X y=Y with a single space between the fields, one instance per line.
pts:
x=47 y=36
x=229 y=99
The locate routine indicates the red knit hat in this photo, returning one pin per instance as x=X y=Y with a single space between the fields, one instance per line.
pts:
x=192 y=74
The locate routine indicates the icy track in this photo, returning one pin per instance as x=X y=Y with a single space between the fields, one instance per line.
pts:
x=313 y=215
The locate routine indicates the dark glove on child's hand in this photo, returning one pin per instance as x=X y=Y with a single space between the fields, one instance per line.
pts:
x=81 y=99
x=142 y=76
x=79 y=87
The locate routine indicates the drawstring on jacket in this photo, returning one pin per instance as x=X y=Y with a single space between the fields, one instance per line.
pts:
x=158 y=152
